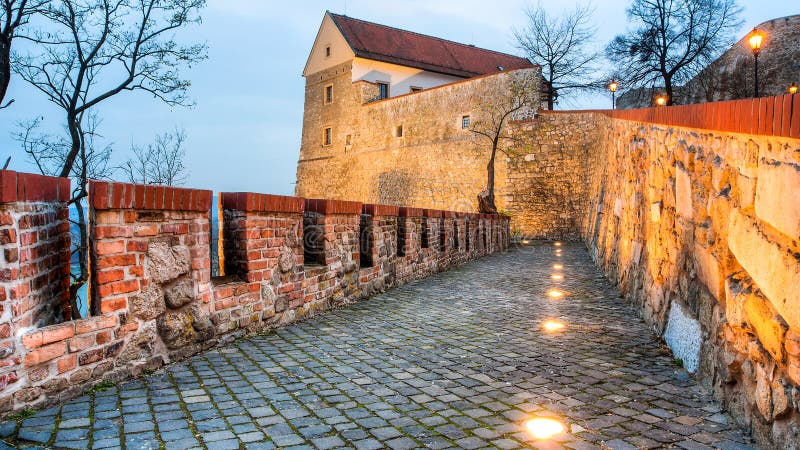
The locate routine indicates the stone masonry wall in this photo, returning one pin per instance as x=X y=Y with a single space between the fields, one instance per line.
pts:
x=434 y=164
x=701 y=230
x=152 y=294
x=546 y=192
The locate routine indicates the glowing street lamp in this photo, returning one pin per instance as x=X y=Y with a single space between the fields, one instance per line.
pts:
x=756 y=39
x=661 y=100
x=793 y=88
x=613 y=86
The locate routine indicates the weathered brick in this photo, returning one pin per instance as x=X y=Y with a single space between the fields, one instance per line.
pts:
x=46 y=353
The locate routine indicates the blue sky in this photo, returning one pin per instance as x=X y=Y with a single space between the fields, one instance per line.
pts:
x=244 y=132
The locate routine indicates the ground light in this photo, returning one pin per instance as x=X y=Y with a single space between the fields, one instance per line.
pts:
x=558 y=244
x=557 y=277
x=558 y=266
x=542 y=428
x=555 y=293
x=552 y=326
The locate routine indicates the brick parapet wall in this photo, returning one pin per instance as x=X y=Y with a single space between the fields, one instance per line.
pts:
x=700 y=229
x=154 y=299
x=34 y=270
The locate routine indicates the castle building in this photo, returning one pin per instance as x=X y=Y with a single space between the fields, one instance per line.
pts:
x=388 y=113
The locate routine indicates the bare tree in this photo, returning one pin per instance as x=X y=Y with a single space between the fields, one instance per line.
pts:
x=49 y=152
x=92 y=50
x=561 y=46
x=672 y=41
x=160 y=162
x=517 y=96
x=14 y=14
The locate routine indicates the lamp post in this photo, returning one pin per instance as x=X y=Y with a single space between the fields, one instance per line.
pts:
x=756 y=39
x=661 y=100
x=793 y=88
x=613 y=86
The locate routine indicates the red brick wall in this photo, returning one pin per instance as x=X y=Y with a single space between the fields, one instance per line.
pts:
x=153 y=298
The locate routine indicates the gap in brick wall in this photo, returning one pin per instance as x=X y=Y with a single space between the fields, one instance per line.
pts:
x=216 y=237
x=74 y=231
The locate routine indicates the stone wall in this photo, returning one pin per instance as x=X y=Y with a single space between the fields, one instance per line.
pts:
x=434 y=164
x=153 y=298
x=546 y=191
x=700 y=229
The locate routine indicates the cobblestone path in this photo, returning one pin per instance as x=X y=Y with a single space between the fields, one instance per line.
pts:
x=459 y=360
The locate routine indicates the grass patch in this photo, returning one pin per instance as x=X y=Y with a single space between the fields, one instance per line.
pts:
x=102 y=386
x=21 y=415
x=678 y=362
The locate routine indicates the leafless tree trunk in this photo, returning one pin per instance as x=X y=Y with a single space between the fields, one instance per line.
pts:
x=672 y=41
x=48 y=152
x=94 y=50
x=14 y=14
x=561 y=46
x=160 y=162
x=516 y=97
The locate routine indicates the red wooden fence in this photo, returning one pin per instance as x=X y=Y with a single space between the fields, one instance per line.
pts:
x=766 y=116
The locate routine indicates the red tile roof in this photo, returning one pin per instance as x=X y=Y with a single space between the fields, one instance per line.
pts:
x=381 y=43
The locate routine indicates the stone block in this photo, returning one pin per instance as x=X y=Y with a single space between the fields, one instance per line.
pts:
x=776 y=204
x=683 y=192
x=684 y=336
x=775 y=270
x=709 y=271
x=767 y=324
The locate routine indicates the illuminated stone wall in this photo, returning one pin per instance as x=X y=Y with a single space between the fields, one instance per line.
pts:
x=700 y=230
x=434 y=164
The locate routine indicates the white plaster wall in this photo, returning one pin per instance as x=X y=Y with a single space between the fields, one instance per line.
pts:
x=328 y=35
x=683 y=335
x=400 y=78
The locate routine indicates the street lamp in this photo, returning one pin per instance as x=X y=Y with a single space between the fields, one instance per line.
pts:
x=613 y=86
x=661 y=100
x=793 y=88
x=756 y=39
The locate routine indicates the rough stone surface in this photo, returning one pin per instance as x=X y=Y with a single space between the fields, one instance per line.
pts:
x=180 y=293
x=712 y=248
x=149 y=304
x=167 y=262
x=457 y=368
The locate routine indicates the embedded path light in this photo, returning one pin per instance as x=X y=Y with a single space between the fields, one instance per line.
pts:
x=555 y=293
x=544 y=428
x=551 y=326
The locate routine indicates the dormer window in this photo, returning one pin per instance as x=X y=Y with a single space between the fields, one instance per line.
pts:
x=383 y=90
x=501 y=68
x=415 y=88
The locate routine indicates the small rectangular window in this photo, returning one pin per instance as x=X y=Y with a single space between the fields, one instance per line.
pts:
x=383 y=90
x=415 y=88
x=329 y=94
x=327 y=136
x=348 y=140
x=465 y=122
x=398 y=132
x=328 y=51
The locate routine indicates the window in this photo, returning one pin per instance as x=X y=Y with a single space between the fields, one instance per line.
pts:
x=328 y=51
x=327 y=136
x=348 y=140
x=415 y=88
x=398 y=132
x=465 y=122
x=329 y=94
x=383 y=90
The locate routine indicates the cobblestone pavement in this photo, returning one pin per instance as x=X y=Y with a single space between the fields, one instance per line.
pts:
x=459 y=360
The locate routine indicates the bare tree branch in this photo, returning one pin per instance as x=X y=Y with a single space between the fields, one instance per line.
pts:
x=160 y=162
x=672 y=41
x=561 y=46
